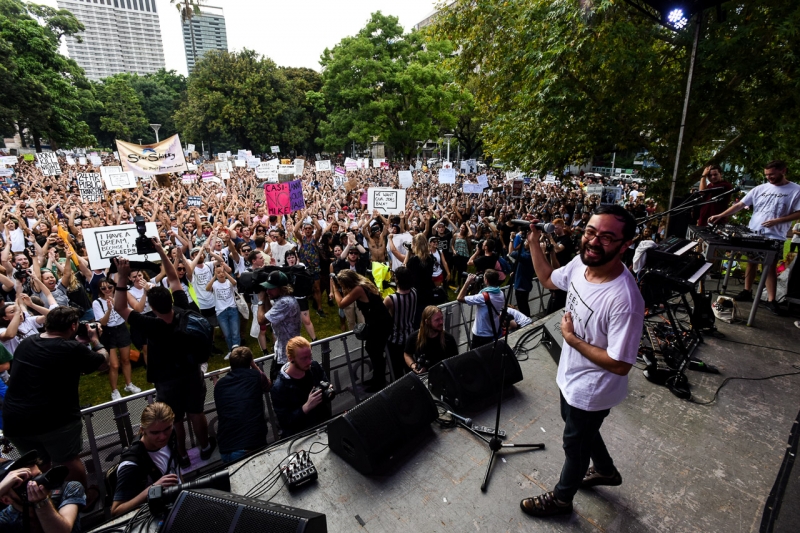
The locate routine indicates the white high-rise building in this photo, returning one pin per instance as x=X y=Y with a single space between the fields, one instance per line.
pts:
x=209 y=34
x=120 y=36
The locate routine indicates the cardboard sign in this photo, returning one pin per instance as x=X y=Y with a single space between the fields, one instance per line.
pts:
x=112 y=241
x=472 y=188
x=323 y=166
x=284 y=198
x=48 y=162
x=299 y=166
x=120 y=180
x=90 y=185
x=387 y=201
x=596 y=189
x=447 y=175
x=194 y=201
x=406 y=179
x=275 y=149
x=351 y=184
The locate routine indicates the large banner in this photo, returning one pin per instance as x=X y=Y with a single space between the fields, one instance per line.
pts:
x=152 y=159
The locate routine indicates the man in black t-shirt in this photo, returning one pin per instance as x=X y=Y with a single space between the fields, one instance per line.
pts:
x=484 y=257
x=41 y=410
x=430 y=344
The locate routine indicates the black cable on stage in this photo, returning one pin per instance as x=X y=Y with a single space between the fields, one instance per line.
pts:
x=144 y=510
x=725 y=382
x=444 y=420
x=723 y=338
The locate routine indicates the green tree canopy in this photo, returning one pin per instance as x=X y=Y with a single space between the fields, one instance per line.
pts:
x=559 y=83
x=385 y=83
x=122 y=111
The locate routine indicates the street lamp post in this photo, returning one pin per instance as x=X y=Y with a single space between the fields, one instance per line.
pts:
x=448 y=136
x=155 y=129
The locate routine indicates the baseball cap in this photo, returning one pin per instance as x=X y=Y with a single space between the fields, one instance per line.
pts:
x=275 y=280
x=29 y=459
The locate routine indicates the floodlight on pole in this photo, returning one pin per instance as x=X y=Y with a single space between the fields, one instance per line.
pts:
x=448 y=136
x=155 y=129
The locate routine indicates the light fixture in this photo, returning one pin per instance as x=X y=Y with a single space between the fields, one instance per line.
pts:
x=677 y=19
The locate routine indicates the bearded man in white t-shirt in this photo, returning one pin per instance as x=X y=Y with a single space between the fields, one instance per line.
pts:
x=601 y=328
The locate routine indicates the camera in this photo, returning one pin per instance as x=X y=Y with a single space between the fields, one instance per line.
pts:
x=477 y=242
x=52 y=479
x=407 y=246
x=22 y=275
x=327 y=393
x=83 y=328
x=144 y=245
x=423 y=361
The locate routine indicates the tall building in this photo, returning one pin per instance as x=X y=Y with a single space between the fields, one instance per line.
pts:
x=209 y=34
x=120 y=36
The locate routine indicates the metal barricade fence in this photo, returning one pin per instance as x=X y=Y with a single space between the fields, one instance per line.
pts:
x=110 y=427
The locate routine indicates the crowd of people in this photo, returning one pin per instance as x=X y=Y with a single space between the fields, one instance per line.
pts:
x=246 y=272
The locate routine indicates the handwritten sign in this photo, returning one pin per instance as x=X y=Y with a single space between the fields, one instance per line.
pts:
x=323 y=166
x=95 y=160
x=90 y=185
x=253 y=162
x=594 y=189
x=106 y=242
x=286 y=170
x=48 y=162
x=378 y=163
x=406 y=179
x=483 y=180
x=447 y=175
x=386 y=200
x=284 y=198
x=9 y=160
x=194 y=201
x=472 y=188
x=299 y=165
x=120 y=180
x=275 y=149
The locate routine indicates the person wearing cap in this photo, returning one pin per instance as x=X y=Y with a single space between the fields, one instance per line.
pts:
x=53 y=511
x=277 y=307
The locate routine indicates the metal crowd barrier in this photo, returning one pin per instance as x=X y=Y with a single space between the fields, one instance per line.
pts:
x=111 y=427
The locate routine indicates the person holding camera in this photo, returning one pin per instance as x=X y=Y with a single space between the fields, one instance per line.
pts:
x=41 y=409
x=52 y=511
x=301 y=393
x=153 y=459
x=430 y=344
x=490 y=303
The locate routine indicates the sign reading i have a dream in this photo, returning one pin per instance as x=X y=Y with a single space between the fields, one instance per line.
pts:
x=107 y=242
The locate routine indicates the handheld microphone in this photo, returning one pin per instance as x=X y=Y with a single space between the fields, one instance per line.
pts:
x=466 y=421
x=541 y=226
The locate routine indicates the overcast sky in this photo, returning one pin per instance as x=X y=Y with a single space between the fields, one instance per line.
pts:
x=293 y=33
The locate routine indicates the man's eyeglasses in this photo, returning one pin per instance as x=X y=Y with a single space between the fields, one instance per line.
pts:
x=590 y=234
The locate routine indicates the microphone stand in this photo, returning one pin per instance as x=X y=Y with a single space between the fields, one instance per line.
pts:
x=495 y=443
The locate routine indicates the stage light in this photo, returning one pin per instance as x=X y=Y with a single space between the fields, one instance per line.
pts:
x=677 y=19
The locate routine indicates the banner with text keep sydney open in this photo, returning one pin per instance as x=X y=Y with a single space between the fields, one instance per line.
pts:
x=151 y=159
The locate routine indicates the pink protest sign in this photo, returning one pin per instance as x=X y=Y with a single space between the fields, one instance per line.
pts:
x=284 y=198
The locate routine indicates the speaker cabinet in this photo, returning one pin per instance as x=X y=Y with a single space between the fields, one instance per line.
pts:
x=370 y=434
x=215 y=511
x=472 y=379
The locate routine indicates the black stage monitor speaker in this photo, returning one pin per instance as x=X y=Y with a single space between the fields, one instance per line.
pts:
x=215 y=511
x=371 y=433
x=472 y=379
x=553 y=340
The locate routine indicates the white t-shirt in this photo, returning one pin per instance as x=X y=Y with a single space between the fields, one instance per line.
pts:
x=99 y=307
x=223 y=295
x=17 y=239
x=437 y=264
x=278 y=252
x=606 y=315
x=27 y=327
x=138 y=294
x=796 y=238
x=771 y=201
x=398 y=239
x=200 y=278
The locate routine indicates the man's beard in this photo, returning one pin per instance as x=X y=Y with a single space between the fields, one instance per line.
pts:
x=601 y=257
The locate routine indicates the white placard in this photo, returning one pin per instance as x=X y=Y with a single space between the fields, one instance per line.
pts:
x=223 y=166
x=261 y=171
x=225 y=175
x=95 y=160
x=406 y=178
x=120 y=180
x=323 y=166
x=222 y=156
x=447 y=164
x=594 y=189
x=48 y=162
x=116 y=155
x=6 y=172
x=272 y=175
x=447 y=175
x=9 y=160
x=190 y=147
x=241 y=163
x=272 y=164
x=253 y=162
x=386 y=200
x=275 y=149
x=242 y=154
x=90 y=185
x=339 y=180
x=376 y=163
x=212 y=179
x=472 y=188
x=82 y=161
x=105 y=171
x=70 y=161
x=286 y=170
x=483 y=180
x=106 y=242
x=191 y=166
x=299 y=165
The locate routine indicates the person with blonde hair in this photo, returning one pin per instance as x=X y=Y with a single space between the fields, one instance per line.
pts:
x=350 y=287
x=296 y=395
x=151 y=460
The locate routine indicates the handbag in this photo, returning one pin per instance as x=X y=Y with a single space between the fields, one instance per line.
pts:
x=241 y=305
x=361 y=331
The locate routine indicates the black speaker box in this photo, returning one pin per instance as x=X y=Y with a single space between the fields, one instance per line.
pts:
x=472 y=379
x=373 y=432
x=215 y=511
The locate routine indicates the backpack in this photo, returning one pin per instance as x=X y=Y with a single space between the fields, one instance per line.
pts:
x=197 y=334
x=135 y=453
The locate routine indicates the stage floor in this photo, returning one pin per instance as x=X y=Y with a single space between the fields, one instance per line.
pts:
x=685 y=467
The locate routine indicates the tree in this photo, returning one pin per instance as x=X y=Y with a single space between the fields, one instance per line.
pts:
x=160 y=95
x=122 y=114
x=558 y=82
x=299 y=124
x=385 y=83
x=188 y=9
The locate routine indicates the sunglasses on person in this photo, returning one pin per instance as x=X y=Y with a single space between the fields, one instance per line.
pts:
x=106 y=288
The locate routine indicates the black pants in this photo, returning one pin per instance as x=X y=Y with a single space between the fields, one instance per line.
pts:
x=522 y=302
x=375 y=346
x=582 y=442
x=396 y=359
x=478 y=341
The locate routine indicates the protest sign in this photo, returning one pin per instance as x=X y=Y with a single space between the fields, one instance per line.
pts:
x=105 y=171
x=242 y=154
x=224 y=166
x=212 y=179
x=261 y=171
x=340 y=170
x=95 y=160
x=222 y=156
x=275 y=149
x=240 y=163
x=82 y=161
x=188 y=178
x=28 y=157
x=106 y=242
x=120 y=180
x=284 y=198
x=472 y=188
x=90 y=185
x=516 y=188
x=272 y=164
x=194 y=201
x=384 y=165
x=406 y=179
x=299 y=165
x=376 y=163
x=387 y=201
x=483 y=180
x=447 y=175
x=339 y=180
x=152 y=159
x=7 y=173
x=70 y=161
x=190 y=147
x=351 y=165
x=9 y=160
x=48 y=162
x=596 y=189
x=351 y=184
x=611 y=195
x=205 y=175
x=323 y=166
x=253 y=162
x=447 y=164
x=225 y=175
x=191 y=167
x=286 y=170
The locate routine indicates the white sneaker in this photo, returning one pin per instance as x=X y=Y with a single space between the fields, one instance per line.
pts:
x=133 y=389
x=227 y=356
x=797 y=323
x=115 y=395
x=204 y=367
